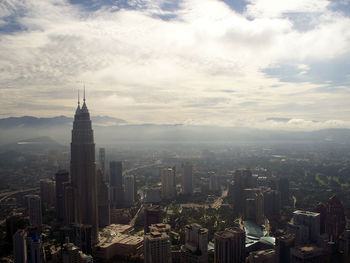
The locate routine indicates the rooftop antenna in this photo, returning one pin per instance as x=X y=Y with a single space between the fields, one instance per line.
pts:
x=78 y=98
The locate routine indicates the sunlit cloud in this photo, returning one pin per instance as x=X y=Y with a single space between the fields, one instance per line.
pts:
x=174 y=61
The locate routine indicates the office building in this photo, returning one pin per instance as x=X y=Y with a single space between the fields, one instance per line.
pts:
x=335 y=224
x=157 y=248
x=34 y=210
x=153 y=215
x=187 y=178
x=82 y=236
x=129 y=190
x=306 y=226
x=229 y=246
x=168 y=184
x=83 y=171
x=47 y=193
x=272 y=202
x=214 y=184
x=116 y=183
x=68 y=208
x=196 y=244
x=103 y=200
x=34 y=249
x=61 y=177
x=283 y=245
x=242 y=180
x=20 y=247
x=13 y=223
x=283 y=187
x=321 y=208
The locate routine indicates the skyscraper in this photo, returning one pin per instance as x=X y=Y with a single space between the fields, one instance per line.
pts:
x=20 y=247
x=83 y=171
x=335 y=224
x=196 y=246
x=34 y=205
x=129 y=190
x=229 y=246
x=61 y=177
x=168 y=183
x=103 y=200
x=187 y=180
x=157 y=248
x=116 y=183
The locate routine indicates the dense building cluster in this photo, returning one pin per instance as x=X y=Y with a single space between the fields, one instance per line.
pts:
x=91 y=208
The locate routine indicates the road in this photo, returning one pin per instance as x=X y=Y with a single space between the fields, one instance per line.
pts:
x=133 y=220
x=17 y=192
x=218 y=202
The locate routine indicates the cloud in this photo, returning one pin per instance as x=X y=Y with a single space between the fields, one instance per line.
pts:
x=165 y=61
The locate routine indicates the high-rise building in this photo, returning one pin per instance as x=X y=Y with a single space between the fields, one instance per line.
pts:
x=34 y=206
x=272 y=202
x=153 y=215
x=283 y=245
x=196 y=244
x=305 y=226
x=187 y=178
x=116 y=183
x=157 y=248
x=243 y=179
x=283 y=187
x=20 y=246
x=129 y=190
x=82 y=237
x=335 y=224
x=13 y=223
x=103 y=200
x=68 y=208
x=47 y=193
x=229 y=246
x=214 y=184
x=254 y=205
x=321 y=208
x=34 y=249
x=168 y=183
x=83 y=171
x=61 y=177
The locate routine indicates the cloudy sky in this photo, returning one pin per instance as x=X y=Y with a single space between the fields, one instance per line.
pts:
x=252 y=63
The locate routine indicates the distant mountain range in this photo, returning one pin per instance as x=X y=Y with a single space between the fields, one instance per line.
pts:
x=108 y=130
x=34 y=122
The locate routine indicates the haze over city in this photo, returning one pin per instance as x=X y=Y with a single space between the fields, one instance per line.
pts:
x=259 y=64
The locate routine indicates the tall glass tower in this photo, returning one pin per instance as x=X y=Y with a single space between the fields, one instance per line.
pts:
x=83 y=171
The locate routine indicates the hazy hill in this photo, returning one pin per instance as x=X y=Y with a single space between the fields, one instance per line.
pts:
x=109 y=131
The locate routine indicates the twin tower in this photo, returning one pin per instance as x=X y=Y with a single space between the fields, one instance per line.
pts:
x=83 y=171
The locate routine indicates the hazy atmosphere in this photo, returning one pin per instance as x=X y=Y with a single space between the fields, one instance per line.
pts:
x=258 y=64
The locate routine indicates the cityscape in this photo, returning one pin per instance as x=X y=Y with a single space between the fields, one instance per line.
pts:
x=177 y=208
x=174 y=131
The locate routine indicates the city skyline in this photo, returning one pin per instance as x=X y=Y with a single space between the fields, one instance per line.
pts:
x=259 y=64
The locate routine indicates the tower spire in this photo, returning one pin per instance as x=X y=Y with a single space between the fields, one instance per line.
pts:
x=78 y=99
x=84 y=92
